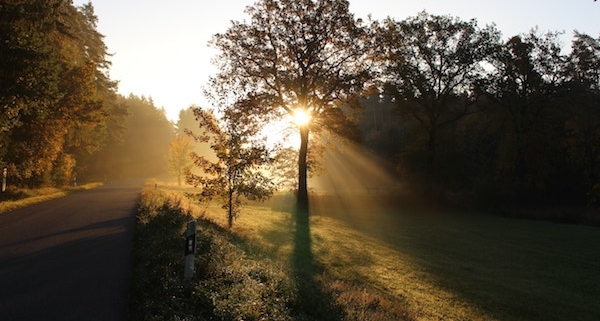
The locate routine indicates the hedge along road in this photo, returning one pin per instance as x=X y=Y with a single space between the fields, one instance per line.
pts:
x=69 y=258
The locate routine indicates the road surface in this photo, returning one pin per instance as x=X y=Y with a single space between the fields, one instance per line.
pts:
x=69 y=258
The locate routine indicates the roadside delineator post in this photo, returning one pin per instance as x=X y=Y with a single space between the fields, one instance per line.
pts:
x=190 y=249
x=4 y=174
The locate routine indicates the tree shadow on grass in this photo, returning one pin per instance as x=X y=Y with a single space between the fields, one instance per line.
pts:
x=313 y=301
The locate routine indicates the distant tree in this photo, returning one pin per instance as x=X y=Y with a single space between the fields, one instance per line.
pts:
x=526 y=83
x=236 y=172
x=146 y=142
x=583 y=124
x=283 y=168
x=306 y=57
x=431 y=67
x=179 y=159
x=63 y=170
x=104 y=163
x=380 y=126
x=187 y=122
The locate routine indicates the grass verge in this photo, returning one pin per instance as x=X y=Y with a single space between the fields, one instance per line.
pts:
x=369 y=262
x=239 y=276
x=15 y=198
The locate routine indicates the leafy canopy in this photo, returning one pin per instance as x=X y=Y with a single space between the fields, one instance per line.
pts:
x=306 y=55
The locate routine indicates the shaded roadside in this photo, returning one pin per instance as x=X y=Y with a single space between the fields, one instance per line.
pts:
x=69 y=258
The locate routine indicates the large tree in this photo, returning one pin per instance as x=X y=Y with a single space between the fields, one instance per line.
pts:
x=54 y=87
x=294 y=57
x=527 y=77
x=431 y=65
x=583 y=125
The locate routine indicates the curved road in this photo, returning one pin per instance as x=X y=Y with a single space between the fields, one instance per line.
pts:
x=69 y=258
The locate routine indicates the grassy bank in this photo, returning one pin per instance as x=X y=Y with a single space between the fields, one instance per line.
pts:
x=239 y=275
x=368 y=261
x=15 y=198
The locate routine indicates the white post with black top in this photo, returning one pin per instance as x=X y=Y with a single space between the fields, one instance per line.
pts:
x=190 y=249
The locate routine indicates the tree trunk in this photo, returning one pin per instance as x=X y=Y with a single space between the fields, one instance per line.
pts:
x=303 y=260
x=302 y=196
x=431 y=150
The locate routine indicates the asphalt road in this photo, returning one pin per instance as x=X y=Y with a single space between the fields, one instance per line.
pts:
x=69 y=258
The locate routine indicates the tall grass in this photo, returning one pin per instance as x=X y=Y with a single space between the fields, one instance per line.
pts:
x=239 y=275
x=374 y=261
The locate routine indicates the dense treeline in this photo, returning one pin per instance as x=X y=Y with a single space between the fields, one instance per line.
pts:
x=60 y=110
x=515 y=121
x=55 y=92
x=455 y=105
x=459 y=111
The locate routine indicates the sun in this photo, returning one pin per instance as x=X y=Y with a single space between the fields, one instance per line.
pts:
x=301 y=117
x=284 y=131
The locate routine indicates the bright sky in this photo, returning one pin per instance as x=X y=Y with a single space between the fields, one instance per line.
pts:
x=160 y=47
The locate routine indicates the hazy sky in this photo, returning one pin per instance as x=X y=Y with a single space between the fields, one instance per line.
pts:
x=160 y=47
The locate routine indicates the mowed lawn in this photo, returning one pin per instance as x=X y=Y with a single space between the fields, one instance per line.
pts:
x=443 y=265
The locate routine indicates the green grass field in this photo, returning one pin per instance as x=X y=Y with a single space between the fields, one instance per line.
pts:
x=427 y=264
x=452 y=266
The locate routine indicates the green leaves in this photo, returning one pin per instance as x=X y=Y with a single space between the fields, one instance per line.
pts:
x=54 y=91
x=431 y=66
x=237 y=170
x=303 y=54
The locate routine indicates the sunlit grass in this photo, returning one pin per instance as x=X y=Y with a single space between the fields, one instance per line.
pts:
x=380 y=249
x=446 y=266
x=267 y=235
x=454 y=266
x=15 y=198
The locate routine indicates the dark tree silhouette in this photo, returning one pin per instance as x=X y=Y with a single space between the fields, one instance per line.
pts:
x=294 y=55
x=431 y=66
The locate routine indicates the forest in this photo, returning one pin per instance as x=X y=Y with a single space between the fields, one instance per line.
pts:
x=456 y=110
x=62 y=118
